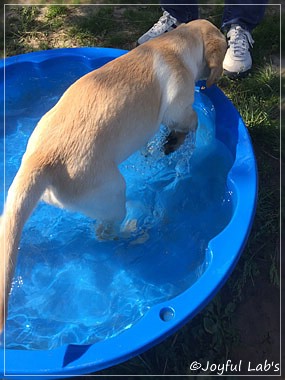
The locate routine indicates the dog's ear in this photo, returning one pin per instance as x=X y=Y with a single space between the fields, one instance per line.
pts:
x=215 y=47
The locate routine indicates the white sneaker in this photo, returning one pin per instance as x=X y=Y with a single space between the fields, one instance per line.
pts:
x=238 y=60
x=166 y=23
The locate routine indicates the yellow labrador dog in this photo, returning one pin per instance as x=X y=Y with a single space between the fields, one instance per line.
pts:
x=72 y=157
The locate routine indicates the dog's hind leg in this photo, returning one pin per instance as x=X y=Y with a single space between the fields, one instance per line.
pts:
x=109 y=205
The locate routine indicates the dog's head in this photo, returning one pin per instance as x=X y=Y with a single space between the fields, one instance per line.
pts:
x=214 y=48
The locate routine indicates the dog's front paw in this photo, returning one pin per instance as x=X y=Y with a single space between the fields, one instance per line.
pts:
x=173 y=141
x=170 y=144
x=105 y=231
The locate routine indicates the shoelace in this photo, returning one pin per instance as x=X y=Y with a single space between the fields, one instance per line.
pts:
x=167 y=19
x=240 y=40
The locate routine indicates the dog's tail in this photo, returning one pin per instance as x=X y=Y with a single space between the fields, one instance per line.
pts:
x=23 y=195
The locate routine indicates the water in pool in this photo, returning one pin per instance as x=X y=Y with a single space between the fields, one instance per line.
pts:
x=70 y=288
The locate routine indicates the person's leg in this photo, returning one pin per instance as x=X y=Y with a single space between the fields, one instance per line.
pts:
x=248 y=15
x=173 y=15
x=238 y=22
x=182 y=13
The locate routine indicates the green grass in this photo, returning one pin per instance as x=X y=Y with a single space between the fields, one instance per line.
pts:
x=114 y=28
x=54 y=11
x=96 y=27
x=25 y=17
x=212 y=334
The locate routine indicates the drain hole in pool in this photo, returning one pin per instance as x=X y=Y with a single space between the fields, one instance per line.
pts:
x=167 y=314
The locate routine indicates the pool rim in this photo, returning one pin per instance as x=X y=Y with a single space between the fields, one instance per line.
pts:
x=69 y=360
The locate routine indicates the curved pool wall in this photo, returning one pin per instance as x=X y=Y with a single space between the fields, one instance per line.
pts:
x=224 y=250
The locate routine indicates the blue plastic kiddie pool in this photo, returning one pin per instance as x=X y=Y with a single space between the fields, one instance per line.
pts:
x=78 y=305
